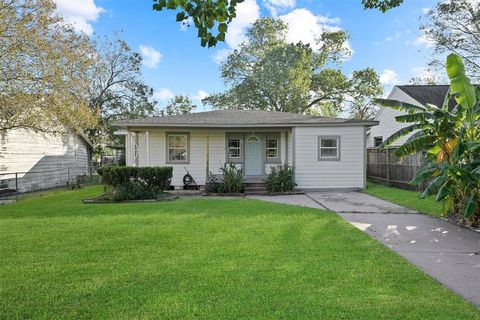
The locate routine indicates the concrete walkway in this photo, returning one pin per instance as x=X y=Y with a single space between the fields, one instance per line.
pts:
x=446 y=252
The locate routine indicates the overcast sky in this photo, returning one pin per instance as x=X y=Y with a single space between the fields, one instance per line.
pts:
x=175 y=63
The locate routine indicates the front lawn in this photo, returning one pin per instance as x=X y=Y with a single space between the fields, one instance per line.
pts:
x=203 y=259
x=406 y=198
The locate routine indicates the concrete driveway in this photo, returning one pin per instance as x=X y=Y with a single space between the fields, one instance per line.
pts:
x=446 y=252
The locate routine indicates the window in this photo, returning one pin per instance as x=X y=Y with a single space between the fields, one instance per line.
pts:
x=234 y=148
x=253 y=139
x=177 y=148
x=272 y=148
x=377 y=141
x=328 y=148
x=234 y=145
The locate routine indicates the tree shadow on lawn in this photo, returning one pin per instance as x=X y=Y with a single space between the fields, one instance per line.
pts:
x=59 y=204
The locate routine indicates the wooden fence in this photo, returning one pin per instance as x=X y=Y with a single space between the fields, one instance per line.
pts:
x=385 y=167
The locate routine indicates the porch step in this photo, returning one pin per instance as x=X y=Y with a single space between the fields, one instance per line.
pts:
x=255 y=187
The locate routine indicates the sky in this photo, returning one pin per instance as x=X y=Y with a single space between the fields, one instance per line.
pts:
x=175 y=63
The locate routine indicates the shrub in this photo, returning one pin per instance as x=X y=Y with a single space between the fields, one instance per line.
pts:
x=232 y=180
x=134 y=183
x=281 y=179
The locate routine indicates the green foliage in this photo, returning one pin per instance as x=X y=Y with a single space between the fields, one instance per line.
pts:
x=451 y=140
x=208 y=15
x=180 y=104
x=231 y=181
x=269 y=73
x=281 y=179
x=382 y=5
x=134 y=183
x=232 y=178
x=454 y=25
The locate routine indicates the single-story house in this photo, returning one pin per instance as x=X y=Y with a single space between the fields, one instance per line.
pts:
x=42 y=160
x=327 y=153
x=414 y=94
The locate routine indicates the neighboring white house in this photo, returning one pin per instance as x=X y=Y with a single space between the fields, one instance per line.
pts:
x=414 y=94
x=327 y=153
x=42 y=161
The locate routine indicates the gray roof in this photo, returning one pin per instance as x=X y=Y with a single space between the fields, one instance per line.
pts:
x=432 y=94
x=239 y=118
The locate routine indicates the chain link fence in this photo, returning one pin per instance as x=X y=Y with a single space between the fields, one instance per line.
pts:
x=14 y=184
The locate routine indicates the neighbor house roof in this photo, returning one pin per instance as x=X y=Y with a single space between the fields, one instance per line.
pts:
x=432 y=94
x=240 y=118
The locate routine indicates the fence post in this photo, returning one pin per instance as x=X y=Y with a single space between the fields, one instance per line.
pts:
x=388 y=166
x=16 y=186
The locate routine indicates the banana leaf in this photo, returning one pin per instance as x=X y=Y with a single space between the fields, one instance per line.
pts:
x=398 y=105
x=460 y=85
x=434 y=186
x=400 y=133
x=471 y=205
x=415 y=145
x=414 y=117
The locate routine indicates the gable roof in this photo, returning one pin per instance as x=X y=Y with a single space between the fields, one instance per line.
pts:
x=240 y=118
x=432 y=94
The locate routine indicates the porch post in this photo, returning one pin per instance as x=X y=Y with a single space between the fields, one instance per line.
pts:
x=147 y=141
x=207 y=156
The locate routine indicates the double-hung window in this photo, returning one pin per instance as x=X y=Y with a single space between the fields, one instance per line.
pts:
x=177 y=148
x=272 y=148
x=234 y=147
x=329 y=148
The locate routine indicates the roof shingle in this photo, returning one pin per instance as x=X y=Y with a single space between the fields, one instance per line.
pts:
x=229 y=118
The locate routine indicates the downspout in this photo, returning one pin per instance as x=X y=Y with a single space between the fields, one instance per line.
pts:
x=293 y=155
x=207 y=156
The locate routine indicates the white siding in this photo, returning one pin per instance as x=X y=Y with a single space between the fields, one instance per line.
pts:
x=348 y=172
x=197 y=164
x=386 y=116
x=44 y=160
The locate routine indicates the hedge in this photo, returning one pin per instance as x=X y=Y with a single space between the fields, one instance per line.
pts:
x=133 y=183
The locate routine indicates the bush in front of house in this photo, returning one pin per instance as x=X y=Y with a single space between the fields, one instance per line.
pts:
x=232 y=182
x=281 y=179
x=135 y=183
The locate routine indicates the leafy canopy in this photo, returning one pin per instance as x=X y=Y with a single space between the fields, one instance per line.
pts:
x=211 y=17
x=454 y=26
x=44 y=66
x=178 y=105
x=269 y=73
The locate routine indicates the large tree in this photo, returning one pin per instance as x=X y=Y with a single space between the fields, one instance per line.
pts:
x=454 y=26
x=269 y=73
x=211 y=17
x=44 y=69
x=116 y=89
x=178 y=105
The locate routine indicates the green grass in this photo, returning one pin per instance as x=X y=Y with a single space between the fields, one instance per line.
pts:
x=406 y=198
x=203 y=259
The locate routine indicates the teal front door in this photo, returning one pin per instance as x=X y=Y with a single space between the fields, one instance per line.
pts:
x=253 y=155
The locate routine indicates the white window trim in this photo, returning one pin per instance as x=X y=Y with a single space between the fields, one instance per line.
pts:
x=319 y=147
x=277 y=137
x=234 y=148
x=167 y=147
x=234 y=136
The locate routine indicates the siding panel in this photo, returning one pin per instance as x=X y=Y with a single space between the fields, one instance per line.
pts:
x=348 y=172
x=48 y=160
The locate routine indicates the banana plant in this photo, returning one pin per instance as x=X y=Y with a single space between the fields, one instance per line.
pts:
x=450 y=140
